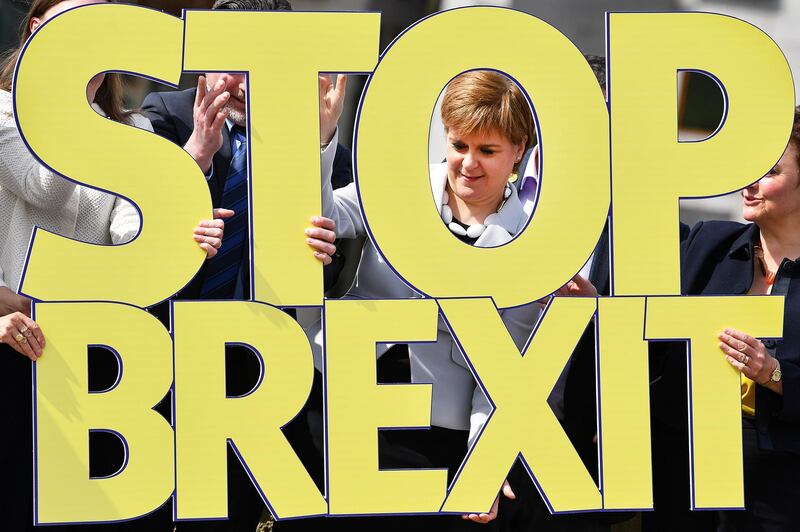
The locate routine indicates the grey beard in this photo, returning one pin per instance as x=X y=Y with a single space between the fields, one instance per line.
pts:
x=236 y=116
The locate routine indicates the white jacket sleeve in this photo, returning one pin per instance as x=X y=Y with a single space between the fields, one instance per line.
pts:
x=23 y=175
x=123 y=222
x=341 y=205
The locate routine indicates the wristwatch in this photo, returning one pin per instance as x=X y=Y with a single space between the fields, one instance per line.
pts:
x=776 y=373
x=775 y=376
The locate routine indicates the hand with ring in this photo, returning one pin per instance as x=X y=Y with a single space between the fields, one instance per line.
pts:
x=748 y=355
x=23 y=334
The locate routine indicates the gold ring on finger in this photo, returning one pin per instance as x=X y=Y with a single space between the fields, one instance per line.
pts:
x=19 y=338
x=746 y=360
x=23 y=329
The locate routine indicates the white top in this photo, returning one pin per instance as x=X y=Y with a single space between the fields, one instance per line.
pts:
x=457 y=402
x=33 y=195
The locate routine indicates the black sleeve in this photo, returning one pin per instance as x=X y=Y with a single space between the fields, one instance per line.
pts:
x=155 y=110
x=684 y=231
x=342 y=168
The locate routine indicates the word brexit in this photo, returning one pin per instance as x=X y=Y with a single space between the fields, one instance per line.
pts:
x=96 y=295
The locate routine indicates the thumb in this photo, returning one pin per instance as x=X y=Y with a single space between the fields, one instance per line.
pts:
x=507 y=491
x=223 y=213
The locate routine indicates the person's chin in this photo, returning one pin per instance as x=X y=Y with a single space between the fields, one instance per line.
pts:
x=237 y=115
x=467 y=190
x=750 y=215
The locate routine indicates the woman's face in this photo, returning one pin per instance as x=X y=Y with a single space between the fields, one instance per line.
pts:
x=775 y=196
x=479 y=164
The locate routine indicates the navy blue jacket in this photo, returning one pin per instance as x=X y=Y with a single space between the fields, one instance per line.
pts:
x=717 y=259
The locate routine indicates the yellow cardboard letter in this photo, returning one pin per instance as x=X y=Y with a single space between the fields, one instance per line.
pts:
x=625 y=400
x=522 y=421
x=652 y=169
x=206 y=418
x=357 y=407
x=715 y=391
x=66 y=411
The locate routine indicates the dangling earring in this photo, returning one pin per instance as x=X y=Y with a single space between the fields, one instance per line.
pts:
x=514 y=175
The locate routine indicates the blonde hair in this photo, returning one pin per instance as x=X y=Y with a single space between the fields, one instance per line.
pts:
x=481 y=101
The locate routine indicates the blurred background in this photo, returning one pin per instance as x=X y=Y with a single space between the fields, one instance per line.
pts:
x=699 y=105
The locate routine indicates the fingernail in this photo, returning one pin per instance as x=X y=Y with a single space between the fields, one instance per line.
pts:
x=309 y=240
x=727 y=331
x=307 y=231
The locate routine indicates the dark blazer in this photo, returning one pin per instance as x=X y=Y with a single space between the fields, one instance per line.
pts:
x=171 y=114
x=717 y=259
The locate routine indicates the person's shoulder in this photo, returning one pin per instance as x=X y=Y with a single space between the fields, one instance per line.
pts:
x=716 y=230
x=169 y=101
x=171 y=113
x=714 y=237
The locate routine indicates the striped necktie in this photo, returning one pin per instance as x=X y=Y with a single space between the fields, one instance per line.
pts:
x=223 y=270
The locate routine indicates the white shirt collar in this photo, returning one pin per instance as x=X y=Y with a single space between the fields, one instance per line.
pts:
x=531 y=169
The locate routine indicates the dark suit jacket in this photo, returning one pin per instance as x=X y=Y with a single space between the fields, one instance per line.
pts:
x=717 y=259
x=171 y=114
